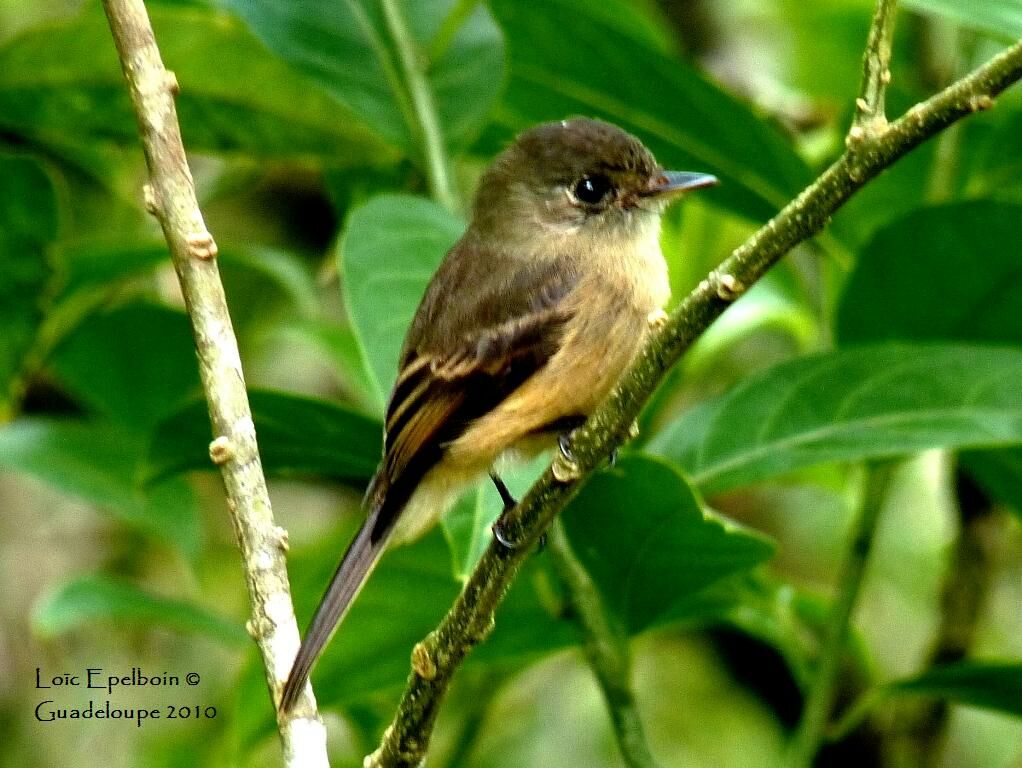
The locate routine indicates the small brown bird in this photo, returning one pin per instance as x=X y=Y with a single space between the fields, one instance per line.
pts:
x=525 y=327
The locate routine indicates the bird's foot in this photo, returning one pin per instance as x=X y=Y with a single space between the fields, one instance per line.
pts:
x=565 y=466
x=509 y=503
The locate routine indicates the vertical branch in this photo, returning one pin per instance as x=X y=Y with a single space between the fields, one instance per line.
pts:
x=606 y=648
x=170 y=197
x=454 y=21
x=806 y=741
x=438 y=170
x=920 y=733
x=870 y=113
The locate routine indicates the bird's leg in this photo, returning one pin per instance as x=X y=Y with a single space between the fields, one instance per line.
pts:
x=509 y=503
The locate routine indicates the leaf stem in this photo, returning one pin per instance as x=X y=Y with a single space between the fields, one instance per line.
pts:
x=427 y=127
x=452 y=22
x=606 y=649
x=170 y=197
x=472 y=615
x=815 y=716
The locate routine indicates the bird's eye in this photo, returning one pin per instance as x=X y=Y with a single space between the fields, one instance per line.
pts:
x=592 y=189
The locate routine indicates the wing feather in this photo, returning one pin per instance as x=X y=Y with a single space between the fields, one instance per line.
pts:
x=458 y=365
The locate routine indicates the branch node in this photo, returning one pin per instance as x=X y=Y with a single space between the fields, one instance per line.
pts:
x=981 y=102
x=422 y=662
x=170 y=80
x=633 y=430
x=283 y=541
x=565 y=470
x=483 y=631
x=221 y=450
x=728 y=287
x=201 y=245
x=862 y=105
x=376 y=758
x=657 y=319
x=151 y=199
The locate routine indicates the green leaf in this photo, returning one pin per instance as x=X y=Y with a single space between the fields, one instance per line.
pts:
x=347 y=49
x=337 y=343
x=391 y=247
x=93 y=269
x=822 y=49
x=99 y=462
x=169 y=511
x=652 y=550
x=973 y=291
x=1000 y=18
x=405 y=598
x=991 y=155
x=999 y=473
x=89 y=599
x=63 y=80
x=972 y=272
x=649 y=545
x=850 y=405
x=987 y=684
x=135 y=363
x=270 y=271
x=28 y=223
x=90 y=265
x=297 y=436
x=466 y=527
x=93 y=461
x=604 y=68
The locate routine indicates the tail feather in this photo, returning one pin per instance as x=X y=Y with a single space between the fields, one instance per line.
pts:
x=358 y=562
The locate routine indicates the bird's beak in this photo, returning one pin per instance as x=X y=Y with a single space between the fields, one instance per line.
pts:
x=669 y=184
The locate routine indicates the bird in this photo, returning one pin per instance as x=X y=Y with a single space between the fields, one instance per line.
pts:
x=527 y=324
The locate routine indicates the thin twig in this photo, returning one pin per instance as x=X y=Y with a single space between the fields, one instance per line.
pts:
x=471 y=617
x=170 y=197
x=431 y=138
x=606 y=648
x=806 y=740
x=870 y=113
x=920 y=731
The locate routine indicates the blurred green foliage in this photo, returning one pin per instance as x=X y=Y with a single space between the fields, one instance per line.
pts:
x=896 y=332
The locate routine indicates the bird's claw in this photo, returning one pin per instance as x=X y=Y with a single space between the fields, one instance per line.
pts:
x=565 y=467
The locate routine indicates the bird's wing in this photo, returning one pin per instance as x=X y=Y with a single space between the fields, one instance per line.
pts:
x=458 y=363
x=461 y=364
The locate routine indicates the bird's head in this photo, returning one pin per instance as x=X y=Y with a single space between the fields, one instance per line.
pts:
x=577 y=177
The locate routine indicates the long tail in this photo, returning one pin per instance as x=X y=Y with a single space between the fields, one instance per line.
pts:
x=358 y=562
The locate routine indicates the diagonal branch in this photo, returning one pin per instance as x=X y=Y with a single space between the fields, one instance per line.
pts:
x=170 y=197
x=471 y=617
